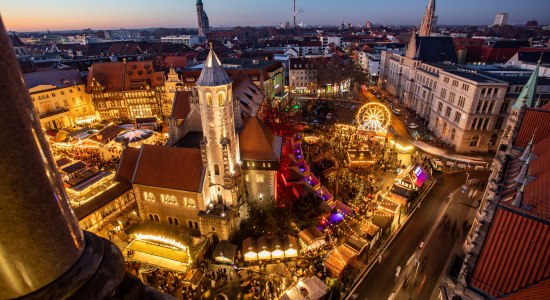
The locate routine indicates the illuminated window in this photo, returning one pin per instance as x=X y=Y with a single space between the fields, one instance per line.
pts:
x=221 y=99
x=247 y=178
x=190 y=202
x=148 y=196
x=259 y=178
x=169 y=199
x=208 y=100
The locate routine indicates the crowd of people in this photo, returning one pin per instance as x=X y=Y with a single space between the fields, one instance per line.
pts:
x=90 y=156
x=166 y=281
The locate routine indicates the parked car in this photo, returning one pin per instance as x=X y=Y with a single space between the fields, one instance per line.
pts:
x=437 y=164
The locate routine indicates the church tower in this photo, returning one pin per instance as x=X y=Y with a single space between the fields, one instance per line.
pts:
x=220 y=144
x=202 y=19
x=526 y=99
x=428 y=19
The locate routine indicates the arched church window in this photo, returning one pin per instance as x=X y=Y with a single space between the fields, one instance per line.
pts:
x=474 y=141
x=208 y=99
x=216 y=170
x=221 y=99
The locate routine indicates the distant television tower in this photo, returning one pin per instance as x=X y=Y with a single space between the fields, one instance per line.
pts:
x=294 y=12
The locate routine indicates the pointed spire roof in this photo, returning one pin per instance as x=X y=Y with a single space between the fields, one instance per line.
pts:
x=527 y=152
x=199 y=2
x=527 y=95
x=523 y=173
x=213 y=74
x=518 y=200
x=431 y=4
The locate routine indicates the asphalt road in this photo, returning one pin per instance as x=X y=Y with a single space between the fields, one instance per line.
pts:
x=381 y=283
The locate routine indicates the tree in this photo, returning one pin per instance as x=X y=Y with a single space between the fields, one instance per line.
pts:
x=306 y=211
x=358 y=76
x=279 y=115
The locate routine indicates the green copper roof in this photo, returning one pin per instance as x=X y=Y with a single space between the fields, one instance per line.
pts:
x=527 y=95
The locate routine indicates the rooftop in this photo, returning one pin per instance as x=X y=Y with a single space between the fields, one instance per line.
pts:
x=257 y=142
x=515 y=254
x=213 y=74
x=56 y=77
x=181 y=106
x=171 y=168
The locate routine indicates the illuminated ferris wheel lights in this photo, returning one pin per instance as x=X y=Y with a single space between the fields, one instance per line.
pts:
x=373 y=117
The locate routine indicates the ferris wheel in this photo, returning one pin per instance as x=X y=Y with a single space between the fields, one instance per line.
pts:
x=374 y=117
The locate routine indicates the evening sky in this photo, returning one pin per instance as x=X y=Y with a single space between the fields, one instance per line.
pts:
x=25 y=15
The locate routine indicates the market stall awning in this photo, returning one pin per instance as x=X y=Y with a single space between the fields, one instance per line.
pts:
x=225 y=252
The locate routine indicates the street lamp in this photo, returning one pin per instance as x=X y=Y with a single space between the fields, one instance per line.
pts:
x=465 y=186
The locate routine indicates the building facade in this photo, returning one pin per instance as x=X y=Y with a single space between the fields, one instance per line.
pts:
x=188 y=40
x=302 y=76
x=501 y=19
x=126 y=90
x=60 y=98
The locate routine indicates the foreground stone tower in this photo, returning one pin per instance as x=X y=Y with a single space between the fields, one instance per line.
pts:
x=43 y=252
x=220 y=142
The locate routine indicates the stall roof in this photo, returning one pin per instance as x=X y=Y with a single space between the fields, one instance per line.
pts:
x=73 y=168
x=339 y=258
x=315 y=287
x=310 y=235
x=90 y=181
x=225 y=249
x=102 y=199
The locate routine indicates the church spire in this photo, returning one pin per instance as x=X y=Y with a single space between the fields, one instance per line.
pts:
x=518 y=200
x=524 y=172
x=411 y=47
x=527 y=152
x=527 y=96
x=428 y=19
x=213 y=74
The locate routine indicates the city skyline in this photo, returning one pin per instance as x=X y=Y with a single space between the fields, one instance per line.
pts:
x=22 y=15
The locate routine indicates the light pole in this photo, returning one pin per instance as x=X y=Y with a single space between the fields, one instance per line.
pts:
x=465 y=186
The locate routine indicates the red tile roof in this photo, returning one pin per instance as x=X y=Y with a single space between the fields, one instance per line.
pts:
x=537 y=291
x=127 y=164
x=536 y=196
x=534 y=119
x=516 y=254
x=120 y=76
x=172 y=168
x=181 y=107
x=258 y=143
x=178 y=62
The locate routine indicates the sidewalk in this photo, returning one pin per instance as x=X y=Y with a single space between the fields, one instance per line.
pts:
x=457 y=248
